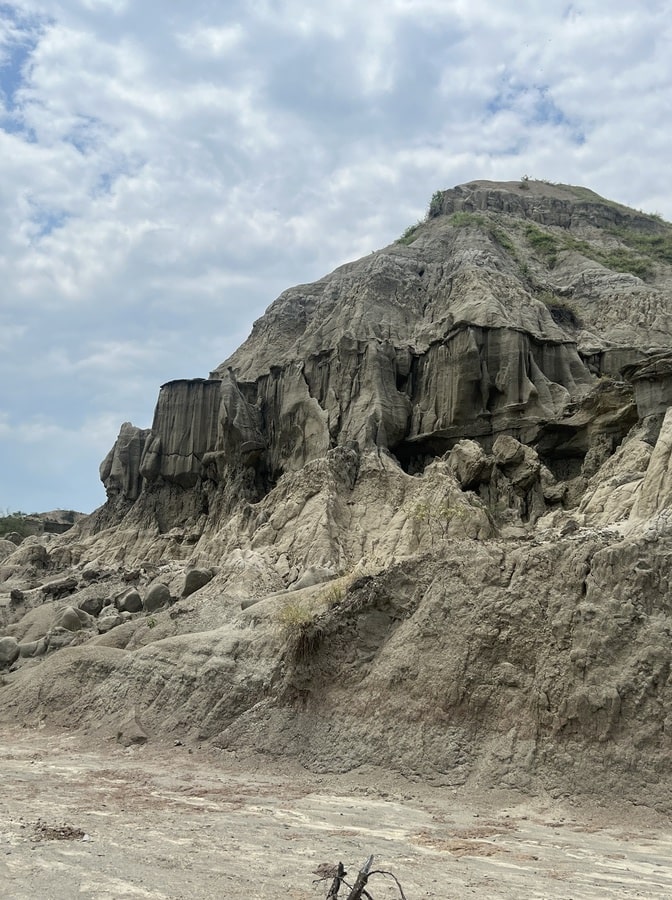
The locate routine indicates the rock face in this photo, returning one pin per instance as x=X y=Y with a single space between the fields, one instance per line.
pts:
x=498 y=314
x=429 y=500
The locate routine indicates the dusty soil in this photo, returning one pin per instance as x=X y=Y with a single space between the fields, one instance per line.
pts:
x=164 y=821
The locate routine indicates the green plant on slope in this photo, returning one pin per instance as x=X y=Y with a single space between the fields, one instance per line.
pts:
x=657 y=246
x=410 y=234
x=435 y=205
x=15 y=522
x=544 y=244
x=463 y=219
x=435 y=516
x=299 y=627
x=562 y=312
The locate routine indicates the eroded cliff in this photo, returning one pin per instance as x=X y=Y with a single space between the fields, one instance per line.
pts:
x=428 y=499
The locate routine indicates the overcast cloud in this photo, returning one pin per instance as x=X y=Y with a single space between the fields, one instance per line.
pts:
x=167 y=168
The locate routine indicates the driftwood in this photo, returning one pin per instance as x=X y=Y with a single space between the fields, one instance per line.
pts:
x=362 y=879
x=358 y=889
x=336 y=883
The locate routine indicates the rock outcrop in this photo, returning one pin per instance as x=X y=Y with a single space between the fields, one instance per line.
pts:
x=428 y=501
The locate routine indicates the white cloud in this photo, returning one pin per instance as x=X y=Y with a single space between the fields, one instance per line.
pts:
x=208 y=40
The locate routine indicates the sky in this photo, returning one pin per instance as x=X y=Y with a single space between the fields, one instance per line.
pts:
x=168 y=168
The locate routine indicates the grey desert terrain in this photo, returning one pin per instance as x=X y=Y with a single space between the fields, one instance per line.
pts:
x=167 y=824
x=392 y=579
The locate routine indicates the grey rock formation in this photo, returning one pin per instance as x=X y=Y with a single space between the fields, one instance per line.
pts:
x=72 y=618
x=9 y=651
x=120 y=470
x=428 y=501
x=156 y=597
x=494 y=319
x=6 y=548
x=131 y=602
x=109 y=618
x=32 y=649
x=92 y=605
x=656 y=489
x=194 y=580
x=184 y=429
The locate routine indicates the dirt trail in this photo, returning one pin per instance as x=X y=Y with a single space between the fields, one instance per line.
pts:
x=165 y=823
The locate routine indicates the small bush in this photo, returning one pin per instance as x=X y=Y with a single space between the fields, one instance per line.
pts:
x=298 y=625
x=293 y=615
x=463 y=219
x=624 y=261
x=544 y=244
x=435 y=205
x=17 y=522
x=410 y=234
x=332 y=595
x=503 y=240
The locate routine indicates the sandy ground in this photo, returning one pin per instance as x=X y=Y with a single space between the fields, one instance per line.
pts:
x=163 y=821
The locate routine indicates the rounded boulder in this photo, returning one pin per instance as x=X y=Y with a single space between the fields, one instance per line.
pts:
x=157 y=596
x=194 y=580
x=9 y=651
x=131 y=602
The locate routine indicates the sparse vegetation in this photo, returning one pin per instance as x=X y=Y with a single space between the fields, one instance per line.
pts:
x=435 y=205
x=657 y=246
x=298 y=625
x=462 y=219
x=562 y=312
x=622 y=260
x=293 y=614
x=543 y=243
x=638 y=252
x=503 y=240
x=333 y=593
x=410 y=234
x=15 y=522
x=436 y=516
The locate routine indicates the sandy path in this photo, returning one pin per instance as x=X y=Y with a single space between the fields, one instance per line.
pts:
x=163 y=823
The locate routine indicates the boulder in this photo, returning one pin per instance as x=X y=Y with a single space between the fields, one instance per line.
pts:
x=131 y=602
x=6 y=548
x=28 y=559
x=469 y=463
x=507 y=451
x=60 y=588
x=194 y=580
x=109 y=618
x=9 y=651
x=92 y=605
x=313 y=575
x=72 y=619
x=157 y=596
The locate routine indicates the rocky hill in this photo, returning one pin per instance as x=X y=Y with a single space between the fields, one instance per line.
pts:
x=420 y=519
